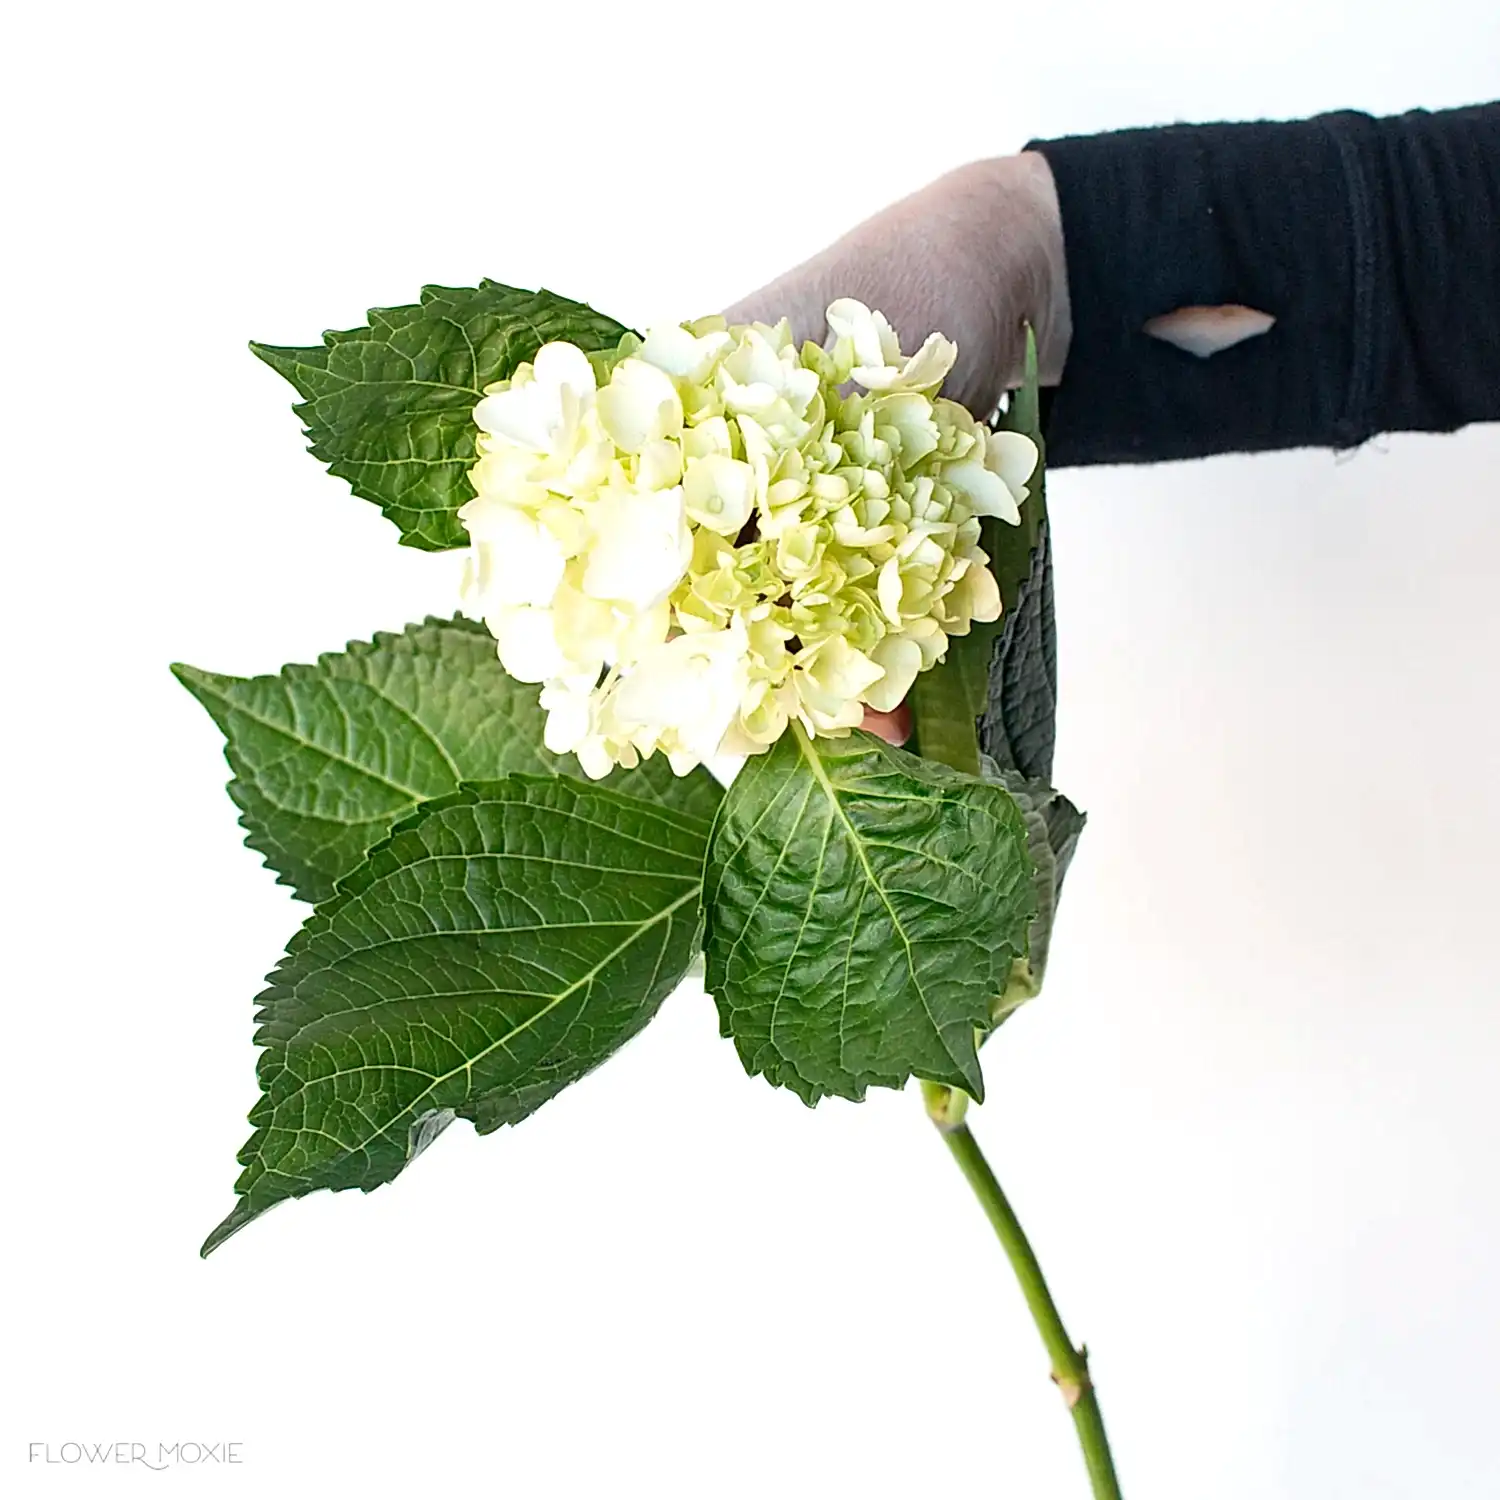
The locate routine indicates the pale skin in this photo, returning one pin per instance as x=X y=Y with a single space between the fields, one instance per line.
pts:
x=976 y=255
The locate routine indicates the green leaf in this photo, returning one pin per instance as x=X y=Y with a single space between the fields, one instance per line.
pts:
x=991 y=707
x=1011 y=547
x=1013 y=678
x=328 y=758
x=944 y=718
x=1018 y=728
x=389 y=407
x=999 y=673
x=1053 y=825
x=863 y=908
x=503 y=942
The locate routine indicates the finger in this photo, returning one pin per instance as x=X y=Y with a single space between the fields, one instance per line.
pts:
x=894 y=728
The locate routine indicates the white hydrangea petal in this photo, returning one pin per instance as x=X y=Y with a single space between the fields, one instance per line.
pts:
x=825 y=715
x=800 y=386
x=778 y=334
x=641 y=632
x=485 y=516
x=681 y=352
x=560 y=364
x=670 y=347
x=520 y=560
x=799 y=551
x=586 y=629
x=540 y=400
x=910 y=413
x=660 y=682
x=1013 y=456
x=692 y=684
x=977 y=594
x=757 y=397
x=569 y=716
x=986 y=491
x=842 y=671
x=759 y=449
x=504 y=470
x=765 y=710
x=713 y=344
x=889 y=589
x=850 y=319
x=660 y=465
x=754 y=361
x=719 y=493
x=566 y=524
x=930 y=364
x=525 y=415
x=641 y=546
x=707 y=437
x=595 y=759
x=931 y=639
x=639 y=403
x=901 y=659
x=527 y=647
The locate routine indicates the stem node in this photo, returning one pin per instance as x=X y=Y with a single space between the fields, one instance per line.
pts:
x=946 y=1106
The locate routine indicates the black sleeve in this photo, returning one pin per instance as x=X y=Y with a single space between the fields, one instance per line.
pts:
x=1375 y=243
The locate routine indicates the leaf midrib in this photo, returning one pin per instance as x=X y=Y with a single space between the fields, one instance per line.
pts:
x=815 y=765
x=515 y=1031
x=364 y=384
x=299 y=739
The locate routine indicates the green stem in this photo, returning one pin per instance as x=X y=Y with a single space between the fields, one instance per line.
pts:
x=945 y=706
x=1070 y=1364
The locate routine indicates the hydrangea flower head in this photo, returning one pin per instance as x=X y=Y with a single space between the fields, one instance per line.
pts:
x=700 y=536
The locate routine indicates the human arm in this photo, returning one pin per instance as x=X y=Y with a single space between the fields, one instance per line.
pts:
x=1373 y=243
x=1372 y=247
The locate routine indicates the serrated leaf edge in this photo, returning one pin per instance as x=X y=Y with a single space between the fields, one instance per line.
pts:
x=468 y=793
x=192 y=678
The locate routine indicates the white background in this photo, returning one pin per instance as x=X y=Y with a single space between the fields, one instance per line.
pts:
x=1251 y=1125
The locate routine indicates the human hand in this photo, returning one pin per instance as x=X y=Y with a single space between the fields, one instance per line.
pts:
x=976 y=256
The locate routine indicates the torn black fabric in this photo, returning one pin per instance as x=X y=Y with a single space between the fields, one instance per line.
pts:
x=1375 y=244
